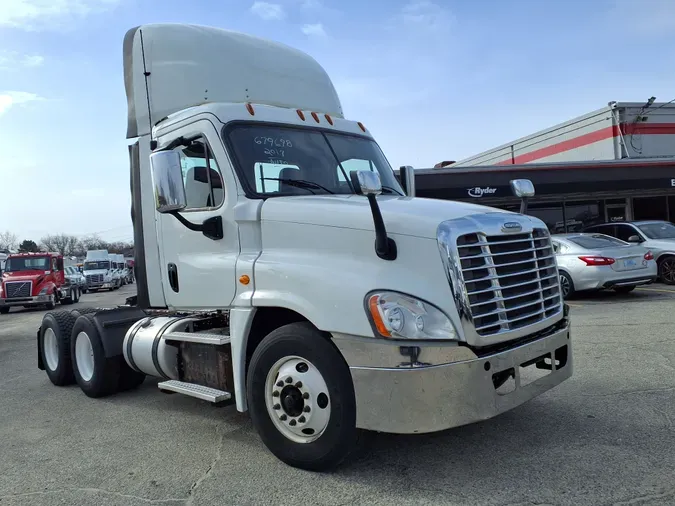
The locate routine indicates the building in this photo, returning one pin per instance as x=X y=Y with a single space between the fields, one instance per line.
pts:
x=613 y=164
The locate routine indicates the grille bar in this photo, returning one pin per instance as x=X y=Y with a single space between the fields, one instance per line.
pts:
x=510 y=281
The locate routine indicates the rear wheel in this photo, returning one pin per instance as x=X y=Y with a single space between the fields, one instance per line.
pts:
x=96 y=374
x=301 y=398
x=624 y=289
x=566 y=285
x=667 y=270
x=55 y=347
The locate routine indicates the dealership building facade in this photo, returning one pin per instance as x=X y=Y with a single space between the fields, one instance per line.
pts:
x=613 y=164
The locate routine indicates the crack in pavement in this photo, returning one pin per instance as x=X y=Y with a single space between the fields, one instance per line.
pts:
x=93 y=491
x=219 y=453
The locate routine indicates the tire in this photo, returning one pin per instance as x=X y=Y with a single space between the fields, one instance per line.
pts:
x=84 y=290
x=97 y=375
x=54 y=343
x=84 y=310
x=566 y=285
x=667 y=270
x=624 y=289
x=4 y=310
x=77 y=296
x=338 y=426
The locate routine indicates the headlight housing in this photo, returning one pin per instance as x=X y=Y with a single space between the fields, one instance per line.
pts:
x=44 y=291
x=398 y=316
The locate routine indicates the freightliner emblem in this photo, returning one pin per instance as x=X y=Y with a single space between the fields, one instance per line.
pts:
x=511 y=226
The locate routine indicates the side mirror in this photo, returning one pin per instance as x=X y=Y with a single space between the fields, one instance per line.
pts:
x=167 y=179
x=408 y=180
x=522 y=188
x=366 y=182
x=634 y=238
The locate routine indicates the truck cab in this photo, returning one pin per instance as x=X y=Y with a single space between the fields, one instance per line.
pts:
x=35 y=279
x=98 y=271
x=282 y=265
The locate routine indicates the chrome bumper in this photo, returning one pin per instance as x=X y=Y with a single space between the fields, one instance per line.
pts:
x=427 y=398
x=27 y=301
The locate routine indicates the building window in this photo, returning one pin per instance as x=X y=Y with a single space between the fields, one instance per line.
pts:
x=551 y=214
x=579 y=215
x=650 y=208
x=671 y=208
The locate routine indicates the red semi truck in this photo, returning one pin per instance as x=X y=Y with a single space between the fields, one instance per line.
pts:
x=35 y=279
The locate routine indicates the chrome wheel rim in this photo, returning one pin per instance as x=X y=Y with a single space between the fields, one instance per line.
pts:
x=564 y=285
x=297 y=399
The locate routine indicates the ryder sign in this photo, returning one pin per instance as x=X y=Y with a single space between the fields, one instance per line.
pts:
x=477 y=191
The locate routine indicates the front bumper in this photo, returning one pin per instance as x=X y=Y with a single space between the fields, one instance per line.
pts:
x=27 y=301
x=100 y=286
x=429 y=398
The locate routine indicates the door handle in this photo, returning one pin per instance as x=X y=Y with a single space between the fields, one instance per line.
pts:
x=173 y=277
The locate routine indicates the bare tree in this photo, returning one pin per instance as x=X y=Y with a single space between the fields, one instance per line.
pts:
x=8 y=240
x=61 y=243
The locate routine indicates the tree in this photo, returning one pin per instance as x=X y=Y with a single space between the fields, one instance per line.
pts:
x=61 y=243
x=8 y=240
x=28 y=246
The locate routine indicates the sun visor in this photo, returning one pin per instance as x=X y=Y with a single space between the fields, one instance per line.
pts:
x=169 y=67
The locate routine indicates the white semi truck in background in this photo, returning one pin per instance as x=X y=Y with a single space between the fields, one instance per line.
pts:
x=282 y=267
x=98 y=271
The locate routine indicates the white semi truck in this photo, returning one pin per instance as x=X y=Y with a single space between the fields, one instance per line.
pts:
x=282 y=267
x=98 y=270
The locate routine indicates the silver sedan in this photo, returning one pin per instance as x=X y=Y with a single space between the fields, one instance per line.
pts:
x=598 y=262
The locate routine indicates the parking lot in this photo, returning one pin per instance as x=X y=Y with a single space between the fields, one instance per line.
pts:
x=604 y=437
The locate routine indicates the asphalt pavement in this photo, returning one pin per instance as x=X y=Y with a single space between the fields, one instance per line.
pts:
x=606 y=436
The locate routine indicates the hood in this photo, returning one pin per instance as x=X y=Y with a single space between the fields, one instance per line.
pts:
x=663 y=244
x=23 y=276
x=416 y=216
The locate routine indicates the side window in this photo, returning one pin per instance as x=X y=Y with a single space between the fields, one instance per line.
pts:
x=623 y=232
x=556 y=246
x=55 y=264
x=201 y=176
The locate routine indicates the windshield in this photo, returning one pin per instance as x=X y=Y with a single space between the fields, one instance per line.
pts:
x=597 y=241
x=92 y=266
x=19 y=264
x=662 y=230
x=269 y=156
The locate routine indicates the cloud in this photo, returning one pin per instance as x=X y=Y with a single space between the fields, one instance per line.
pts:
x=377 y=93
x=44 y=14
x=9 y=99
x=268 y=11
x=426 y=15
x=11 y=60
x=314 y=29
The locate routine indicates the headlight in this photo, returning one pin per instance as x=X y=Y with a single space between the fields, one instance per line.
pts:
x=44 y=291
x=399 y=316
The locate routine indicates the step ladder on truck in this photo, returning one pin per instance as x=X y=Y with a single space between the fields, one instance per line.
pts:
x=282 y=267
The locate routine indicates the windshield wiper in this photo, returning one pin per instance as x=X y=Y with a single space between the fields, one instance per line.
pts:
x=300 y=183
x=388 y=189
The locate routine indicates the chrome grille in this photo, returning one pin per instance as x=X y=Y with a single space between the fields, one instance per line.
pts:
x=511 y=281
x=94 y=278
x=18 y=289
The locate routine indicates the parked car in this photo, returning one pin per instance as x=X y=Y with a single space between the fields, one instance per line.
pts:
x=656 y=235
x=76 y=278
x=599 y=262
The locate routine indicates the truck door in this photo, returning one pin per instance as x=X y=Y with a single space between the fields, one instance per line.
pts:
x=199 y=272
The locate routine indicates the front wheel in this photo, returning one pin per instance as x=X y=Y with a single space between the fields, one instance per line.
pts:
x=301 y=398
x=667 y=270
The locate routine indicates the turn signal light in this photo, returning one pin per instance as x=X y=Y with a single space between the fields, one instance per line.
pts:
x=595 y=260
x=649 y=256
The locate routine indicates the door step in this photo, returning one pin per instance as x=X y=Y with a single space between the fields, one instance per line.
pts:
x=198 y=337
x=193 y=390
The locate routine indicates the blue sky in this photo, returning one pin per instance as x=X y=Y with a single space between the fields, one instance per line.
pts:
x=432 y=80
